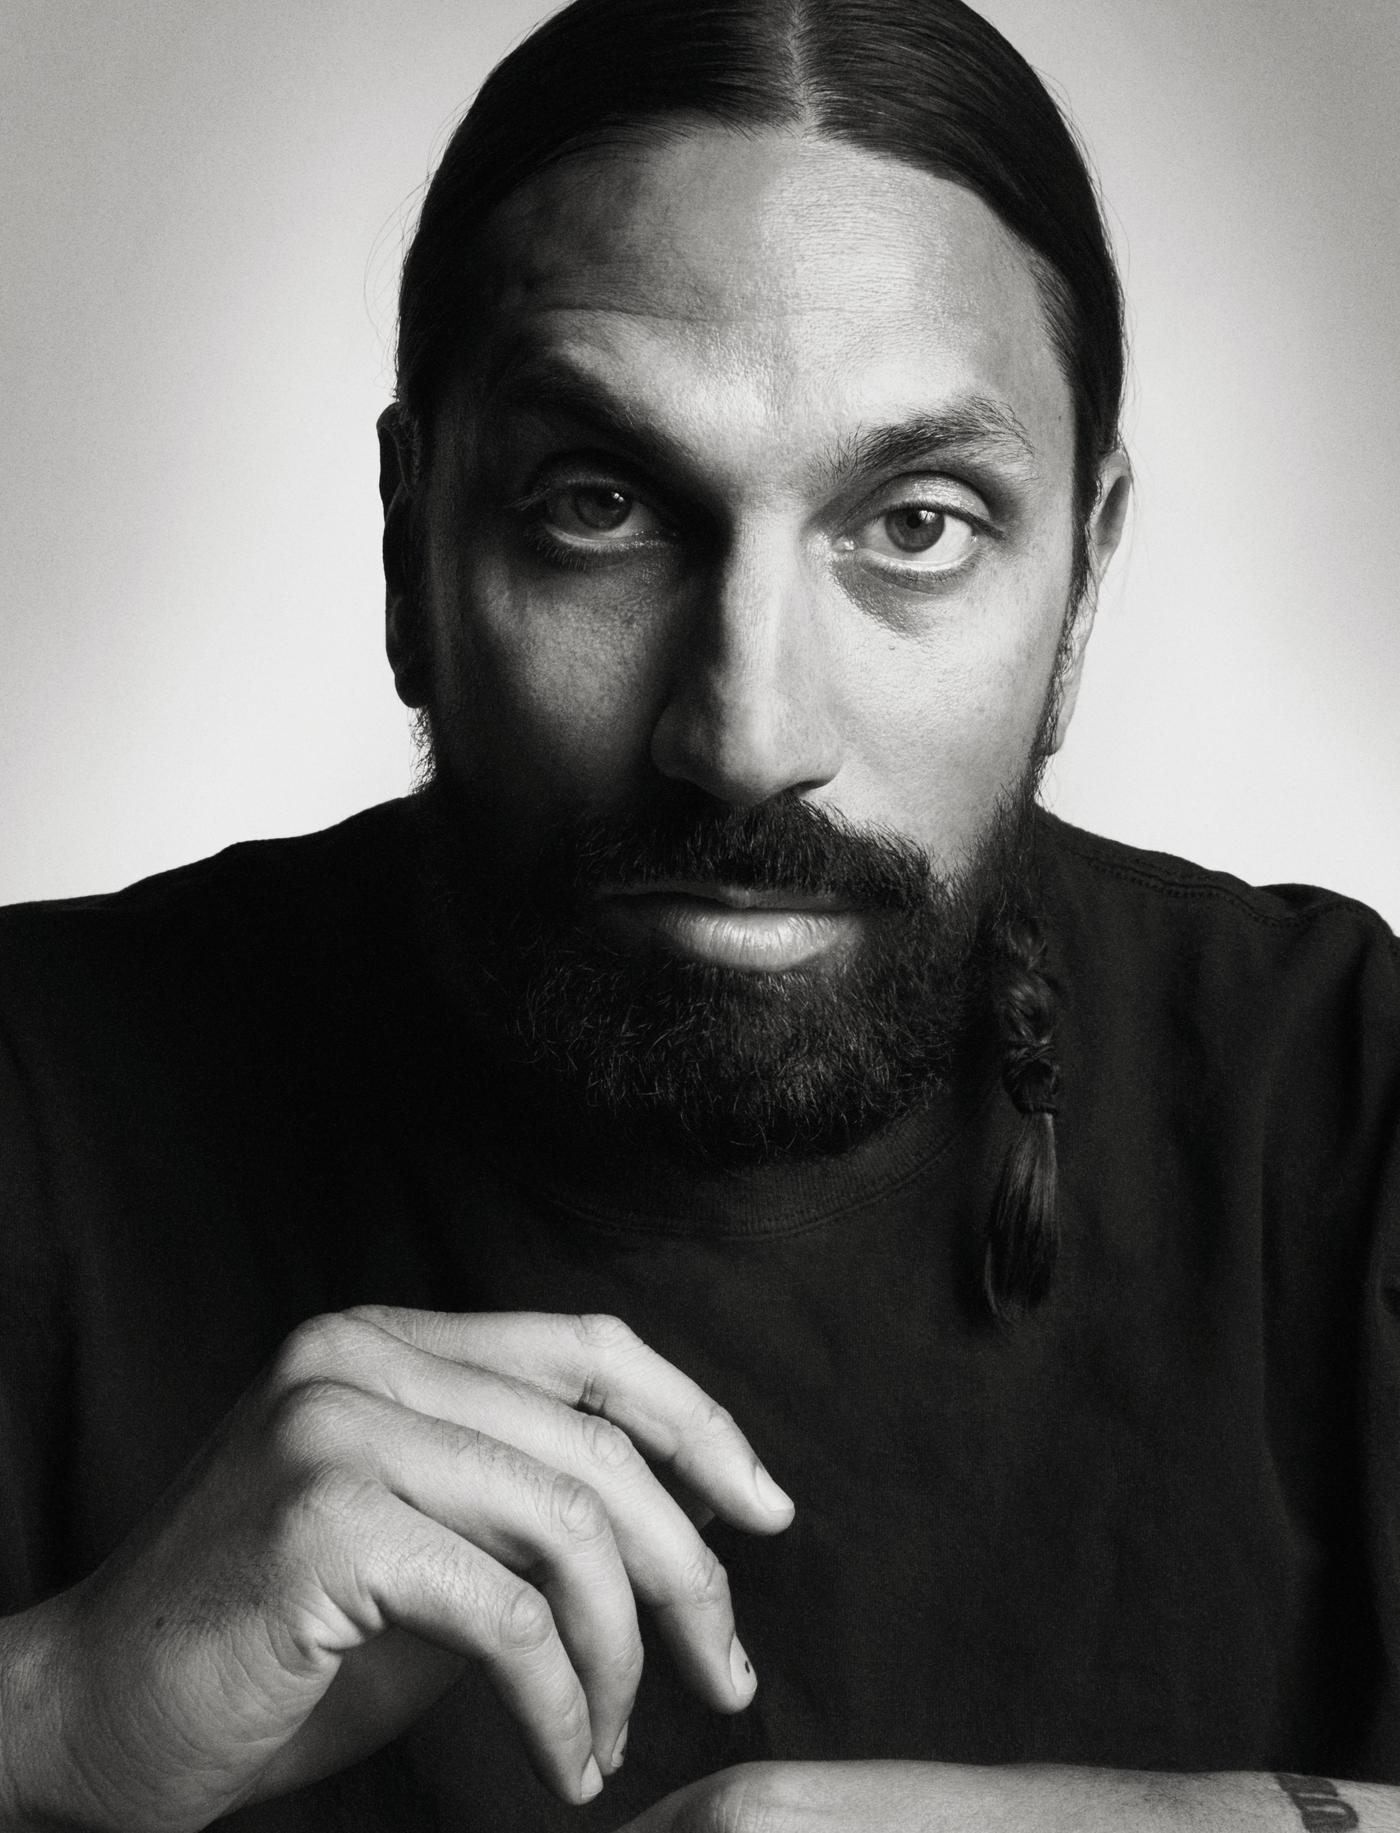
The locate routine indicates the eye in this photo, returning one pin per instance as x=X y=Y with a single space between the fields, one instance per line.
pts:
x=923 y=537
x=597 y=513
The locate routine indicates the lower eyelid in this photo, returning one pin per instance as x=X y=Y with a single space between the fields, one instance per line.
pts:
x=921 y=578
x=562 y=550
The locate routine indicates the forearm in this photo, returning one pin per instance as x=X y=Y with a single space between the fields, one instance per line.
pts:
x=903 y=1797
x=1075 y=1800
x=1055 y=1799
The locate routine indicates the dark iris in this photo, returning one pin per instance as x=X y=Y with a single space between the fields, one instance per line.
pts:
x=598 y=507
x=915 y=529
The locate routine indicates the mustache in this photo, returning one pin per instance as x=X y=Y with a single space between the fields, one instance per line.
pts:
x=786 y=844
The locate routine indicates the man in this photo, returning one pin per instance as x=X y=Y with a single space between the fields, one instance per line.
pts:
x=718 y=1065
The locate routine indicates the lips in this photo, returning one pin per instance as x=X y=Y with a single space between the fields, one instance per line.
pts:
x=755 y=930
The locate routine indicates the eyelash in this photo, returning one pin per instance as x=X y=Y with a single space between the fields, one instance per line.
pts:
x=527 y=512
x=930 y=579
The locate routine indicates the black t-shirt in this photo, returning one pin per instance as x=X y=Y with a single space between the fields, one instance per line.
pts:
x=1156 y=1525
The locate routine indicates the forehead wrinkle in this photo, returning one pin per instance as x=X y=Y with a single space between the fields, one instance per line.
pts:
x=724 y=235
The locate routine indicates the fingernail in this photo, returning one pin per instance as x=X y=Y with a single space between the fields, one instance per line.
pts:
x=619 y=1748
x=592 y=1779
x=769 y=1493
x=740 y=1669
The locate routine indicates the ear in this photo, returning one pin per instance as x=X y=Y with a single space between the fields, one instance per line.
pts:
x=1105 y=531
x=405 y=639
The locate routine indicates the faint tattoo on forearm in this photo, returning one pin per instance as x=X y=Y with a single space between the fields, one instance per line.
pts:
x=1319 y=1803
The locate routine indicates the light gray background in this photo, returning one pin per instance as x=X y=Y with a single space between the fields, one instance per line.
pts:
x=204 y=209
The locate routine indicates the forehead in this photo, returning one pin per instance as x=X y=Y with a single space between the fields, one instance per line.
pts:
x=776 y=281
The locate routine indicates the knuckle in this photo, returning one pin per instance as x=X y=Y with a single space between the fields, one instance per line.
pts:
x=705 y=1583
x=309 y=1423
x=574 y=1510
x=711 y=1420
x=319 y=1345
x=606 y=1444
x=574 y=1720
x=320 y=1511
x=378 y=1317
x=524 y=1622
x=602 y=1334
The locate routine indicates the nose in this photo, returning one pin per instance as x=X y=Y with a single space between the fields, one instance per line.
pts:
x=751 y=709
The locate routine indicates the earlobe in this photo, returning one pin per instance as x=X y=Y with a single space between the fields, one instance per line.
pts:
x=403 y=634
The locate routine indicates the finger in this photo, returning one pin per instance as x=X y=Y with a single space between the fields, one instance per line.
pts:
x=412 y=1572
x=669 y=1566
x=599 y=1365
x=539 y=1521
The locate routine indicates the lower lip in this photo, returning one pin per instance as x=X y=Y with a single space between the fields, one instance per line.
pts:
x=757 y=940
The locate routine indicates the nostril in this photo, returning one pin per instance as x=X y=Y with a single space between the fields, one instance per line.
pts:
x=741 y=761
x=744 y=742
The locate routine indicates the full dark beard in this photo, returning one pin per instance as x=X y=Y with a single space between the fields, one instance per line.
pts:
x=709 y=1063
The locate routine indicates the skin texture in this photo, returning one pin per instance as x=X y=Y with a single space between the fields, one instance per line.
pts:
x=753 y=307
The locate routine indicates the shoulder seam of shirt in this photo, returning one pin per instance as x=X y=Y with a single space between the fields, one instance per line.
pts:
x=1199 y=882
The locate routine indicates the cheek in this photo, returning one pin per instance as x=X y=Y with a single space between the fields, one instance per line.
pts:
x=533 y=687
x=948 y=716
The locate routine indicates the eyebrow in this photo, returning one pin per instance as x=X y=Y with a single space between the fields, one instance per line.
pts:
x=971 y=428
x=535 y=382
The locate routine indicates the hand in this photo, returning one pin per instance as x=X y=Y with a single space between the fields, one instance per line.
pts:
x=401 y=1493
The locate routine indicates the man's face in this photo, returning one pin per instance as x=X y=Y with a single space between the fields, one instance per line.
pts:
x=757 y=492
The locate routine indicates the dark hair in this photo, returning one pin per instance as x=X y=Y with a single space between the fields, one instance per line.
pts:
x=927 y=82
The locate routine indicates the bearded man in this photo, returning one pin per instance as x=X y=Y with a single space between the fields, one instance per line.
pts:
x=424 y=1238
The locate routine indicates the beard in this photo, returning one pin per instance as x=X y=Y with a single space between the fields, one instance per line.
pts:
x=716 y=1065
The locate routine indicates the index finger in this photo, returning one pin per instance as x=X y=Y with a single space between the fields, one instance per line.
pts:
x=598 y=1364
